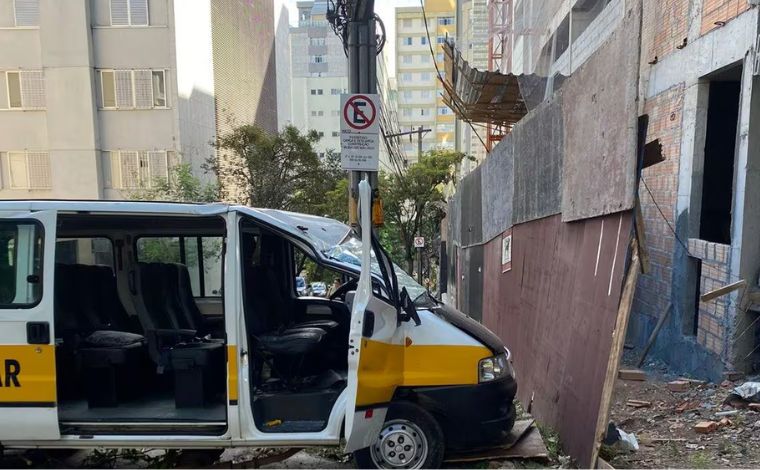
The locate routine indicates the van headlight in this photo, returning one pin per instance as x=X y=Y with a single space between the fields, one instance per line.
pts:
x=494 y=368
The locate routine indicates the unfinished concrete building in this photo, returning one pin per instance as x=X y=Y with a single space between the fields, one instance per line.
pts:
x=620 y=192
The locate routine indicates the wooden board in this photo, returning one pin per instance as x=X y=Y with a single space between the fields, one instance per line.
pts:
x=557 y=309
x=524 y=442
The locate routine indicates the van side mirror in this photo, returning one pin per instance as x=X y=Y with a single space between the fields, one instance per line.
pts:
x=408 y=310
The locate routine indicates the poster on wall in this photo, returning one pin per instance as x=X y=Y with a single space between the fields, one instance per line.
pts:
x=506 y=251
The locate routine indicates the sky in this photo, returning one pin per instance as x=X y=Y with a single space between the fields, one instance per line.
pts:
x=384 y=8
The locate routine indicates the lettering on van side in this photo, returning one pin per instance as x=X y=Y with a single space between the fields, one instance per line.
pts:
x=12 y=370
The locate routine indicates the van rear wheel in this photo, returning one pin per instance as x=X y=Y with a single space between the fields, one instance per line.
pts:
x=410 y=438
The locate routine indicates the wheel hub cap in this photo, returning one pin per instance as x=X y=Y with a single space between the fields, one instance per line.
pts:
x=401 y=444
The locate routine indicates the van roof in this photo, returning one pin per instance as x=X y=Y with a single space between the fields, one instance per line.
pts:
x=328 y=232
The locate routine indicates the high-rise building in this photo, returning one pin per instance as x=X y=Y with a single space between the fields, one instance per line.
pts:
x=101 y=97
x=319 y=75
x=419 y=90
x=282 y=55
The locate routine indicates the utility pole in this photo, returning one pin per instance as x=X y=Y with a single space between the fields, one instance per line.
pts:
x=354 y=21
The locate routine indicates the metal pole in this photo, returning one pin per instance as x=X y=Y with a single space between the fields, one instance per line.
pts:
x=353 y=86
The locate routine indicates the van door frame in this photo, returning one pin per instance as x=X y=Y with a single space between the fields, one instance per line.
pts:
x=34 y=413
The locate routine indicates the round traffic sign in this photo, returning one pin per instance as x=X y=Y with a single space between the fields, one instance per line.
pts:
x=359 y=112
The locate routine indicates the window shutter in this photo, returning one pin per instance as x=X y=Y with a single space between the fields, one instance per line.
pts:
x=108 y=89
x=159 y=167
x=38 y=164
x=143 y=89
x=138 y=12
x=124 y=89
x=119 y=13
x=18 y=173
x=32 y=89
x=27 y=12
x=145 y=179
x=130 y=168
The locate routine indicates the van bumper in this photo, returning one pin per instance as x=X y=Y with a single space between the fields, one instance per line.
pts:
x=471 y=416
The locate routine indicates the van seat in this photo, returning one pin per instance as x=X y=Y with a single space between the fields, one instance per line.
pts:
x=90 y=315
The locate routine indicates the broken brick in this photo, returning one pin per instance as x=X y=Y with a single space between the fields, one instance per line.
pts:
x=679 y=386
x=725 y=422
x=705 y=427
x=632 y=374
x=688 y=406
x=754 y=406
x=639 y=403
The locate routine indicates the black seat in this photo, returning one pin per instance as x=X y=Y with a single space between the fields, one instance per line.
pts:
x=94 y=321
x=213 y=326
x=197 y=364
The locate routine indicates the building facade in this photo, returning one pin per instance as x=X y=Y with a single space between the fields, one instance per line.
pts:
x=99 y=98
x=420 y=102
x=319 y=75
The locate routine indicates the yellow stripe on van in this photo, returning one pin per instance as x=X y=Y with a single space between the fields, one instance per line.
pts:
x=27 y=375
x=383 y=367
x=232 y=374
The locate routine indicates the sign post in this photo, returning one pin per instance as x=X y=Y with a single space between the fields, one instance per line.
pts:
x=360 y=132
x=419 y=243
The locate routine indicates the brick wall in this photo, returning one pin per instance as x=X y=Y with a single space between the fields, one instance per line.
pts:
x=713 y=320
x=665 y=116
x=718 y=12
x=665 y=24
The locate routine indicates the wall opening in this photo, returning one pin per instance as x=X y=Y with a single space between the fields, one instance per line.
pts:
x=720 y=146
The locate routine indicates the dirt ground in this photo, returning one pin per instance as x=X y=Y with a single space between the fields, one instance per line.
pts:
x=666 y=434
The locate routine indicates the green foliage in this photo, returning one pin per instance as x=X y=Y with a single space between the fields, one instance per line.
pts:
x=182 y=186
x=276 y=171
x=414 y=204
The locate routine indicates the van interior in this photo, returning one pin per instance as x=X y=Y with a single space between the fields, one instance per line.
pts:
x=140 y=327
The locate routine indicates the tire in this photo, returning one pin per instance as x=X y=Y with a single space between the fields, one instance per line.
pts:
x=405 y=423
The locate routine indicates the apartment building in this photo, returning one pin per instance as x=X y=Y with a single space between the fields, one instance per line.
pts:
x=99 y=98
x=319 y=75
x=419 y=90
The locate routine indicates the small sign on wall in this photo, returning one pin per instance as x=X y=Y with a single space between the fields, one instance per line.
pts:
x=506 y=251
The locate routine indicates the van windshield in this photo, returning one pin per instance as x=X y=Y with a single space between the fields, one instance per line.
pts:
x=350 y=252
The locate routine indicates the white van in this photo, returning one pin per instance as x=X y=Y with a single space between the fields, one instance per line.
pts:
x=132 y=324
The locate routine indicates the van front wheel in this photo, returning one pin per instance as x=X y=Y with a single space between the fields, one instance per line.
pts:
x=410 y=438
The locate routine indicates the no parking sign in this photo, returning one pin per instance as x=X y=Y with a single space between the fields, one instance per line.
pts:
x=359 y=132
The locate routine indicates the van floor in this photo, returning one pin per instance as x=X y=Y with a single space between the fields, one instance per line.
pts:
x=157 y=408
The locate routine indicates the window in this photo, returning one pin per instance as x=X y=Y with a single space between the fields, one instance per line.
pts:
x=425 y=58
x=320 y=113
x=334 y=113
x=407 y=59
x=26 y=12
x=407 y=112
x=87 y=251
x=130 y=89
x=321 y=134
x=407 y=77
x=439 y=57
x=319 y=92
x=441 y=39
x=26 y=89
x=446 y=20
x=21 y=245
x=313 y=92
x=407 y=95
x=129 y=12
x=424 y=112
x=425 y=94
x=201 y=255
x=335 y=91
x=317 y=59
x=335 y=133
x=423 y=40
x=317 y=41
x=425 y=76
x=131 y=169
x=313 y=114
x=407 y=41
x=407 y=22
x=29 y=170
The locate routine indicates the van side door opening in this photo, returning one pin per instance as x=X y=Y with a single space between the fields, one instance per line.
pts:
x=298 y=343
x=140 y=335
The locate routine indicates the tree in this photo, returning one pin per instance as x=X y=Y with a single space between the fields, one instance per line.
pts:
x=182 y=186
x=276 y=171
x=414 y=203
